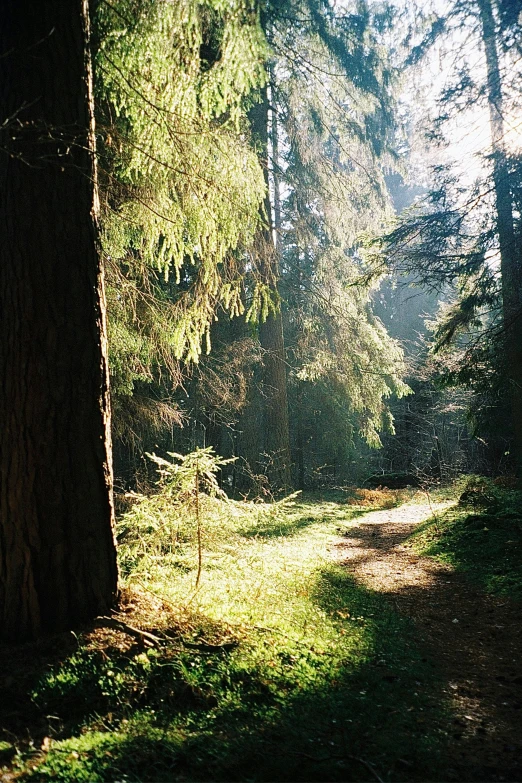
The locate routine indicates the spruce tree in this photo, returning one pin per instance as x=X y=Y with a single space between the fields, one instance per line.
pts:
x=273 y=436
x=510 y=258
x=333 y=147
x=180 y=196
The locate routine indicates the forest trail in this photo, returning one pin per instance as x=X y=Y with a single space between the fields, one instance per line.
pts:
x=474 y=639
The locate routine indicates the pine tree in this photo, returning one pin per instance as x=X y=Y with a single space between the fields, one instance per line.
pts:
x=274 y=436
x=510 y=258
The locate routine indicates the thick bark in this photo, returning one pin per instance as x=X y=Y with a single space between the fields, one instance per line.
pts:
x=275 y=434
x=510 y=266
x=57 y=549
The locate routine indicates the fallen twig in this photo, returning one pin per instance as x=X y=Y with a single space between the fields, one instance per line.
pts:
x=120 y=625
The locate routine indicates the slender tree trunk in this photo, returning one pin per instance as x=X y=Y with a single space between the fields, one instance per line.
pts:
x=300 y=442
x=298 y=412
x=276 y=442
x=57 y=549
x=274 y=140
x=509 y=252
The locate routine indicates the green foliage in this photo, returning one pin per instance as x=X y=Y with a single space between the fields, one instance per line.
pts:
x=7 y=751
x=335 y=145
x=90 y=682
x=341 y=58
x=181 y=187
x=157 y=527
x=459 y=240
x=178 y=479
x=173 y=154
x=347 y=352
x=449 y=248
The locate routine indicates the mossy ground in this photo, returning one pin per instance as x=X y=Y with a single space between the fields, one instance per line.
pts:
x=280 y=667
x=481 y=536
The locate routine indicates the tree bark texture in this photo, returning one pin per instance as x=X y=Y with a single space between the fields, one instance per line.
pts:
x=510 y=258
x=275 y=434
x=57 y=549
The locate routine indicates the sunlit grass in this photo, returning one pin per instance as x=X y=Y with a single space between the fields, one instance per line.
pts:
x=279 y=667
x=258 y=566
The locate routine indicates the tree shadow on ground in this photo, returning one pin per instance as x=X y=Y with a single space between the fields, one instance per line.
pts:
x=476 y=640
x=407 y=700
x=21 y=668
x=298 y=517
x=303 y=715
x=487 y=546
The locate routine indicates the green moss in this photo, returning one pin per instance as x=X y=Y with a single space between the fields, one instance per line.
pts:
x=324 y=672
x=481 y=537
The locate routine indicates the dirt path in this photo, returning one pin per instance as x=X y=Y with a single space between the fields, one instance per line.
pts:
x=474 y=639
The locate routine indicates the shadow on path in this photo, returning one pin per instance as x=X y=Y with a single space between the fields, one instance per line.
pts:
x=474 y=639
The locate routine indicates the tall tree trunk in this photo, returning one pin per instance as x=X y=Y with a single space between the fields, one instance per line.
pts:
x=276 y=442
x=57 y=549
x=509 y=252
x=300 y=451
x=299 y=385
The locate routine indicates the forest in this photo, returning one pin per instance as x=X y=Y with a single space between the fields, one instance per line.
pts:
x=260 y=390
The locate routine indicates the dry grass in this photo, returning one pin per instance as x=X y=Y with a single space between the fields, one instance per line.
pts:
x=381 y=497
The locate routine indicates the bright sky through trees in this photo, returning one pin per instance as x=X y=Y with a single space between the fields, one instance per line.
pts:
x=467 y=132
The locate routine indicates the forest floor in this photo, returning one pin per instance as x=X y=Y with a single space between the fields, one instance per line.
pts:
x=359 y=635
x=475 y=638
